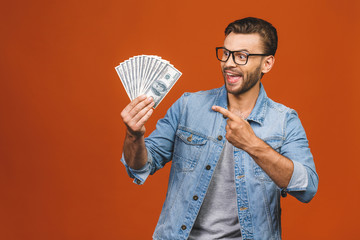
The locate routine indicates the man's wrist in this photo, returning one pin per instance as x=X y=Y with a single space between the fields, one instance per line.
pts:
x=257 y=147
x=134 y=136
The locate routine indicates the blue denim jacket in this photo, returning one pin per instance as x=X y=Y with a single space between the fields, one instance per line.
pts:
x=192 y=135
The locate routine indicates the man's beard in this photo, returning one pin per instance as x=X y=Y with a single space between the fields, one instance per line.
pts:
x=247 y=84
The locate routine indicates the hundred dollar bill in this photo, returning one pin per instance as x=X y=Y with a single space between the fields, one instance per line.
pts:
x=147 y=74
x=141 y=69
x=120 y=72
x=145 y=71
x=129 y=77
x=137 y=74
x=132 y=74
x=155 y=72
x=163 y=83
x=127 y=82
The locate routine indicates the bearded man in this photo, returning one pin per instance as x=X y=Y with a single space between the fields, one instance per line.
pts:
x=234 y=151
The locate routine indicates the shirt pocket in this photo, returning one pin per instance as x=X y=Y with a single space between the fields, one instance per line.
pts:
x=187 y=150
x=274 y=143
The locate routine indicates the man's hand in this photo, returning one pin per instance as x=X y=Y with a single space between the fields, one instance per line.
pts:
x=240 y=134
x=136 y=113
x=135 y=116
x=238 y=131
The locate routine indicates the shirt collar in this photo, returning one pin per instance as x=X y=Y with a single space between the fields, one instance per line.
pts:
x=222 y=98
x=259 y=111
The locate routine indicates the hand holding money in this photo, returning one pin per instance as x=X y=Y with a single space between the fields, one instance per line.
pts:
x=136 y=113
x=149 y=75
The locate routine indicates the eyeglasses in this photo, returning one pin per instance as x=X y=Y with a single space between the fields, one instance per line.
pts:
x=239 y=57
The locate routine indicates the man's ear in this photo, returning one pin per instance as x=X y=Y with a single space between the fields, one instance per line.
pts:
x=268 y=63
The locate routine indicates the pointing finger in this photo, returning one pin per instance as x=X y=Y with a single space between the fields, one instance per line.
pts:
x=224 y=112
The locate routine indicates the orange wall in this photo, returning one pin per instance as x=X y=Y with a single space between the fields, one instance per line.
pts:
x=60 y=129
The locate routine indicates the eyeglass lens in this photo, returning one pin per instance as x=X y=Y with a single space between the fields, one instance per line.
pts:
x=239 y=57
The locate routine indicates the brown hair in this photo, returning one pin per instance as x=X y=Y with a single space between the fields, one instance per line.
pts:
x=256 y=25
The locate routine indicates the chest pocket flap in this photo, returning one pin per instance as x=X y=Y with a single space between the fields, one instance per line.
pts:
x=187 y=150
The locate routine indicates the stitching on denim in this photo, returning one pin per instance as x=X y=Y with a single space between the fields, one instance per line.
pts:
x=267 y=210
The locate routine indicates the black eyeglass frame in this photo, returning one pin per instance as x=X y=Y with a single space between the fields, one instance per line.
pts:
x=232 y=53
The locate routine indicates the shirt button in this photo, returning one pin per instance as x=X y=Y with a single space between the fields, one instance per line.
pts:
x=208 y=167
x=219 y=137
x=195 y=197
x=138 y=181
x=183 y=227
x=189 y=139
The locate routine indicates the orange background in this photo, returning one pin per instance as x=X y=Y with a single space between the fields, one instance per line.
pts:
x=60 y=101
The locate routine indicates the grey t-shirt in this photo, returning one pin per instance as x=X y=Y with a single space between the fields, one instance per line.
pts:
x=218 y=215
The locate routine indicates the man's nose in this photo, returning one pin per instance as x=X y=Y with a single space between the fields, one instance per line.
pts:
x=230 y=62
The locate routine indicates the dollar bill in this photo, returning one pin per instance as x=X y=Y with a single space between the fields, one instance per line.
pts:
x=141 y=69
x=120 y=72
x=163 y=83
x=147 y=74
x=132 y=74
x=146 y=66
x=137 y=74
x=125 y=69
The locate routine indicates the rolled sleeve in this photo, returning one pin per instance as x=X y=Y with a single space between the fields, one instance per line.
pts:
x=139 y=175
x=304 y=181
x=299 y=178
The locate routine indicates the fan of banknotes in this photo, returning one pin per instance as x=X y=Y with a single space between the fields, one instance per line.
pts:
x=147 y=74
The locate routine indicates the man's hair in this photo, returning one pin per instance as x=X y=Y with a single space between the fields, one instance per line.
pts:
x=256 y=25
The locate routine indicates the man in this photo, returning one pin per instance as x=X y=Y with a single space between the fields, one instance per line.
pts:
x=234 y=151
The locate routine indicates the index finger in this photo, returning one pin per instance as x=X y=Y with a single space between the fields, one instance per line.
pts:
x=134 y=102
x=224 y=112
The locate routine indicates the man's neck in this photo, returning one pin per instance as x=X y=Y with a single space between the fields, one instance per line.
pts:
x=243 y=104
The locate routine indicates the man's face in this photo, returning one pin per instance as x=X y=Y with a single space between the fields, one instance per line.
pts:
x=241 y=78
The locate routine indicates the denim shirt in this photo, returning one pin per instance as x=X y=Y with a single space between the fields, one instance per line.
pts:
x=192 y=135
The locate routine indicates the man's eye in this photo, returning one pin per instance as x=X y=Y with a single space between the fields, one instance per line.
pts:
x=241 y=56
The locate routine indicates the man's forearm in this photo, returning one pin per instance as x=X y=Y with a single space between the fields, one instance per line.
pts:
x=278 y=167
x=240 y=134
x=134 y=115
x=135 y=152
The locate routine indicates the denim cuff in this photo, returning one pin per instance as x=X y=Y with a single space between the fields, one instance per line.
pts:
x=139 y=175
x=299 y=178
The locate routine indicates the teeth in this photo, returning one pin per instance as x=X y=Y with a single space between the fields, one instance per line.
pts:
x=232 y=75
